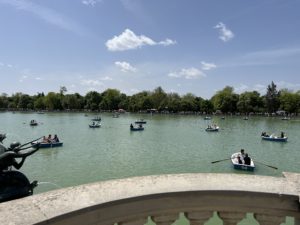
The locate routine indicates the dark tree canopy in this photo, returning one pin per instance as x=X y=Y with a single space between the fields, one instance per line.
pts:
x=225 y=100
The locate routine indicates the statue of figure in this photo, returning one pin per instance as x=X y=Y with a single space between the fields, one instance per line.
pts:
x=14 y=184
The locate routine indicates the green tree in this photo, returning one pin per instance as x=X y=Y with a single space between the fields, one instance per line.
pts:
x=39 y=103
x=53 y=101
x=189 y=102
x=140 y=101
x=173 y=102
x=15 y=98
x=159 y=98
x=110 y=99
x=62 y=90
x=225 y=100
x=289 y=101
x=124 y=102
x=207 y=106
x=25 y=102
x=250 y=102
x=3 y=101
x=272 y=98
x=92 y=100
x=72 y=101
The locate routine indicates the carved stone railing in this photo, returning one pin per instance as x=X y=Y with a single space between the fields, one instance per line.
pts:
x=132 y=201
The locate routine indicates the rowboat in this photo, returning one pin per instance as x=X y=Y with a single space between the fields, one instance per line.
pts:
x=238 y=166
x=212 y=129
x=207 y=118
x=136 y=128
x=33 y=123
x=48 y=145
x=274 y=138
x=95 y=125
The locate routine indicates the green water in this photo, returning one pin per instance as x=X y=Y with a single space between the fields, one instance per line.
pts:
x=169 y=144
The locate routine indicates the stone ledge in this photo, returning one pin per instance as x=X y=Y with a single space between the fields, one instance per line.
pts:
x=134 y=192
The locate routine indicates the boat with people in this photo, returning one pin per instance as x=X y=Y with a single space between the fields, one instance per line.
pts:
x=49 y=142
x=273 y=137
x=138 y=128
x=285 y=118
x=95 y=125
x=33 y=123
x=207 y=118
x=140 y=121
x=239 y=163
x=212 y=128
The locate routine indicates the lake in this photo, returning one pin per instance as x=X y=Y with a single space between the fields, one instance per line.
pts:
x=169 y=144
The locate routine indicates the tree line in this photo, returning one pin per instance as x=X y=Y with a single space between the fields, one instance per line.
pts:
x=223 y=101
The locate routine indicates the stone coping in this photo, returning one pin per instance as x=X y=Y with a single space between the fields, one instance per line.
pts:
x=41 y=207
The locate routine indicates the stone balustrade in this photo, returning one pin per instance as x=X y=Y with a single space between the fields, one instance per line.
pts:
x=132 y=201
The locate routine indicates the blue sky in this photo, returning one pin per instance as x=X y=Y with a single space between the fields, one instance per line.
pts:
x=184 y=46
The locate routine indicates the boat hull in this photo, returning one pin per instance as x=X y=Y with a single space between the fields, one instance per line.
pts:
x=212 y=130
x=136 y=128
x=238 y=166
x=94 y=126
x=276 y=139
x=51 y=145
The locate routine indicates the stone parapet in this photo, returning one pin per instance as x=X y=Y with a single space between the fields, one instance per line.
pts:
x=131 y=201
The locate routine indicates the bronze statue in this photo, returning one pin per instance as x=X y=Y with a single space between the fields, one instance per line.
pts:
x=14 y=184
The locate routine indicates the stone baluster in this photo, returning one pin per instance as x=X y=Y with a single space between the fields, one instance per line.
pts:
x=198 y=217
x=231 y=218
x=139 y=221
x=165 y=219
x=264 y=219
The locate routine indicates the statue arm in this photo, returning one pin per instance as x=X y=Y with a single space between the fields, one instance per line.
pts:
x=20 y=164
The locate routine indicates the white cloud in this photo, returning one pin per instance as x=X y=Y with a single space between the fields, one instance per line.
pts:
x=208 y=66
x=287 y=85
x=39 y=78
x=106 y=78
x=90 y=2
x=9 y=65
x=224 y=33
x=260 y=88
x=1 y=64
x=129 y=40
x=46 y=14
x=24 y=77
x=241 y=88
x=273 y=53
x=91 y=83
x=167 y=42
x=190 y=73
x=134 y=90
x=125 y=67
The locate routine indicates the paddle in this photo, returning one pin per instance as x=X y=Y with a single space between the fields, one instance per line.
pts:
x=18 y=148
x=220 y=160
x=273 y=167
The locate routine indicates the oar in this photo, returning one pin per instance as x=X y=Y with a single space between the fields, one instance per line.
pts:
x=273 y=167
x=28 y=143
x=220 y=160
